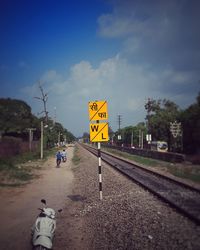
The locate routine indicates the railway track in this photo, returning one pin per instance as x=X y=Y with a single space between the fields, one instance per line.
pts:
x=184 y=198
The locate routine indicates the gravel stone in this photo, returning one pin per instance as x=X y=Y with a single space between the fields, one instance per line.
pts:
x=128 y=217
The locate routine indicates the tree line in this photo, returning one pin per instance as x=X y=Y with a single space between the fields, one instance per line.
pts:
x=17 y=118
x=164 y=121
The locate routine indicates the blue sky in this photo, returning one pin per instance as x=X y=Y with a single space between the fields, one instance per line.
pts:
x=122 y=51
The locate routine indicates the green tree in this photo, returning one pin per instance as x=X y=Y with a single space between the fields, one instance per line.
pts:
x=16 y=116
x=159 y=115
x=86 y=137
x=110 y=133
x=127 y=135
x=56 y=133
x=140 y=129
x=130 y=135
x=190 y=119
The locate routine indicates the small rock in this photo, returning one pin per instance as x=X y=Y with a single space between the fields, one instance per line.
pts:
x=150 y=237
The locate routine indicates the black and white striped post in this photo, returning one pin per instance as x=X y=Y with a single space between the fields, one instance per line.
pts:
x=100 y=177
x=98 y=131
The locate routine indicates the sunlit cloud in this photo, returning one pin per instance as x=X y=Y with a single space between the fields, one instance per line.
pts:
x=158 y=58
x=124 y=85
x=161 y=33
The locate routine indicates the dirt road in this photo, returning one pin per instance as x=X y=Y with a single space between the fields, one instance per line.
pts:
x=19 y=205
x=128 y=217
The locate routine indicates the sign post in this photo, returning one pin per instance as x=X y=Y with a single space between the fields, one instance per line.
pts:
x=148 y=138
x=99 y=170
x=98 y=131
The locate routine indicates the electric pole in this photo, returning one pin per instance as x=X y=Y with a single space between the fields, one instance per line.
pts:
x=30 y=130
x=54 y=115
x=119 y=120
x=148 y=109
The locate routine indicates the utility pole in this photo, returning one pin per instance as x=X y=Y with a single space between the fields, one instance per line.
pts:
x=142 y=139
x=140 y=144
x=148 y=108
x=132 y=138
x=42 y=140
x=54 y=115
x=59 y=138
x=119 y=123
x=30 y=130
x=119 y=120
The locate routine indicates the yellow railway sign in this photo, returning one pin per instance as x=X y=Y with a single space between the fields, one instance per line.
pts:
x=98 y=132
x=98 y=110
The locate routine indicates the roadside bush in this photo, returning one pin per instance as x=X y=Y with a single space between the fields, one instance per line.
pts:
x=9 y=146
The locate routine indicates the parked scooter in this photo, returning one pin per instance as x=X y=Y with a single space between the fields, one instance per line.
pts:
x=44 y=228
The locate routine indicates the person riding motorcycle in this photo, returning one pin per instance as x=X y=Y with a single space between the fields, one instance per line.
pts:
x=64 y=155
x=58 y=158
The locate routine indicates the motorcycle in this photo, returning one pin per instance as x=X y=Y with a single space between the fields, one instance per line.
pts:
x=64 y=158
x=43 y=230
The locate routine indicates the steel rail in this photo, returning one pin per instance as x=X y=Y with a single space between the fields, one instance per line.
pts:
x=181 y=196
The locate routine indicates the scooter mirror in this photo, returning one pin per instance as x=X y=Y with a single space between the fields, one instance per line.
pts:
x=43 y=201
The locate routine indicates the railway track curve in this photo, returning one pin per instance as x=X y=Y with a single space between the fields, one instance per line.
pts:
x=184 y=198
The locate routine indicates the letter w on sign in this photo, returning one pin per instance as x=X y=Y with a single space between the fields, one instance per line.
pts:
x=94 y=127
x=98 y=132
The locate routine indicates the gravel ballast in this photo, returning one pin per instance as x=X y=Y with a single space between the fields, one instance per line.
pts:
x=128 y=217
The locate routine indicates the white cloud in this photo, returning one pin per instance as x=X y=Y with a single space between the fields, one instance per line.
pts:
x=162 y=33
x=124 y=85
x=141 y=18
x=158 y=59
x=114 y=26
x=50 y=76
x=30 y=90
